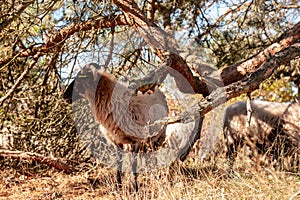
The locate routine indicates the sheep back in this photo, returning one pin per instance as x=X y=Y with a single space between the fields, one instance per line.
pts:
x=265 y=116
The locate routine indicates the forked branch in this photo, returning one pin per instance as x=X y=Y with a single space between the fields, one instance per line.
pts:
x=248 y=84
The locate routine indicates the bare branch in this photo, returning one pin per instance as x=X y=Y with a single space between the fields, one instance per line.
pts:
x=50 y=161
x=164 y=45
x=64 y=33
x=13 y=16
x=111 y=48
x=150 y=81
x=239 y=70
x=219 y=19
x=248 y=84
x=20 y=79
x=166 y=48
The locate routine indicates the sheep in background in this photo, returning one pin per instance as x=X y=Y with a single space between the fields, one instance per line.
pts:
x=290 y=121
x=124 y=115
x=267 y=123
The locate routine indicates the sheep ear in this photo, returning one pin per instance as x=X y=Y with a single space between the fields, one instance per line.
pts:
x=96 y=74
x=71 y=94
x=95 y=69
x=67 y=96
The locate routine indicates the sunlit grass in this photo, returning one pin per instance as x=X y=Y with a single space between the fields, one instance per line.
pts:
x=188 y=180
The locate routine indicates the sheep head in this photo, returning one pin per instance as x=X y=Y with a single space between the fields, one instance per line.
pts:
x=85 y=83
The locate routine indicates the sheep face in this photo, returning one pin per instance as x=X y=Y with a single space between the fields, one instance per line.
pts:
x=84 y=85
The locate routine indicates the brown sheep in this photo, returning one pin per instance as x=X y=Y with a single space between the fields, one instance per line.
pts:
x=124 y=115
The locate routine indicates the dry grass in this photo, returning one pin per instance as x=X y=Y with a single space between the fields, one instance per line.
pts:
x=190 y=180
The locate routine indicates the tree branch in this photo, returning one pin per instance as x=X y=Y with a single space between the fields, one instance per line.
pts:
x=16 y=14
x=50 y=161
x=150 y=81
x=230 y=10
x=248 y=84
x=164 y=45
x=65 y=33
x=166 y=48
x=20 y=79
x=238 y=71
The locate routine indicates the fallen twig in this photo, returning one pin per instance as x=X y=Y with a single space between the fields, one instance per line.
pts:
x=50 y=161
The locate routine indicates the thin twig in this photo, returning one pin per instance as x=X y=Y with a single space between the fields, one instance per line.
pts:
x=20 y=79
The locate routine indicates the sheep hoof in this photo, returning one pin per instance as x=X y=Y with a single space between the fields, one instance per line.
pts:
x=136 y=189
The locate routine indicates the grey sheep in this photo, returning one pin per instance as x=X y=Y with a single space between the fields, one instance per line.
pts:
x=269 y=121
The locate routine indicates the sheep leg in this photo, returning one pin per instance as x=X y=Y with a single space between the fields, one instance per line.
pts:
x=134 y=166
x=119 y=163
x=230 y=146
x=230 y=154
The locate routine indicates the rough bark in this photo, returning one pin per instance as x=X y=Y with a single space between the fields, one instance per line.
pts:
x=248 y=84
x=164 y=45
x=166 y=48
x=239 y=70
